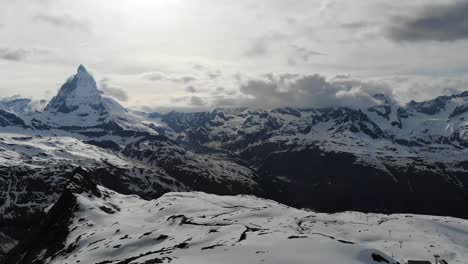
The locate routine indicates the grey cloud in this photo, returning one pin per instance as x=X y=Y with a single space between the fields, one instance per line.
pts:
x=190 y=89
x=342 y=76
x=198 y=67
x=291 y=20
x=114 y=92
x=159 y=76
x=354 y=25
x=237 y=77
x=165 y=109
x=230 y=92
x=223 y=101
x=196 y=101
x=154 y=76
x=326 y=7
x=214 y=75
x=62 y=21
x=296 y=90
x=260 y=46
x=11 y=97
x=302 y=53
x=219 y=90
x=223 y=91
x=310 y=91
x=185 y=79
x=193 y=101
x=441 y=22
x=451 y=90
x=179 y=99
x=40 y=51
x=13 y=54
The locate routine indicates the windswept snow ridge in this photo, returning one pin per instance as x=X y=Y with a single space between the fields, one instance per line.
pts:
x=195 y=227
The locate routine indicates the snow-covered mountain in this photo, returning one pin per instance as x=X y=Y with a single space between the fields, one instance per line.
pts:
x=79 y=106
x=386 y=158
x=92 y=224
x=79 y=94
x=396 y=158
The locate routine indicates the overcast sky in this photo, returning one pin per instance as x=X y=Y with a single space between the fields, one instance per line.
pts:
x=197 y=54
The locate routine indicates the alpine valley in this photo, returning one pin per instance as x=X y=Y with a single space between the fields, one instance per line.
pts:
x=84 y=179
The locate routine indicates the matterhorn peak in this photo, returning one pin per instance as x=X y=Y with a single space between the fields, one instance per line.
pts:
x=81 y=68
x=78 y=94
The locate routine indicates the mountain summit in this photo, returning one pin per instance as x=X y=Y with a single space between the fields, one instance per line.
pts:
x=78 y=94
x=81 y=68
x=79 y=104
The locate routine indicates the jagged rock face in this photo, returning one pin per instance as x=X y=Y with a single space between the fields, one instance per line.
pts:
x=388 y=158
x=79 y=93
x=8 y=119
x=197 y=171
x=52 y=232
x=6 y=244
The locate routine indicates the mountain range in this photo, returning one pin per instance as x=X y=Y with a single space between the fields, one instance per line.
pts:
x=386 y=158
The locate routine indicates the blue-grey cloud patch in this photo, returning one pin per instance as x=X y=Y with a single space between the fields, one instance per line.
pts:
x=13 y=54
x=437 y=22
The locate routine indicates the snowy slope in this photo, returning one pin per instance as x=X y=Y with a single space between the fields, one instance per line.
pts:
x=195 y=227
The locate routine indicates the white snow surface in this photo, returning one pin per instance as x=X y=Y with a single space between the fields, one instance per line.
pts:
x=195 y=227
